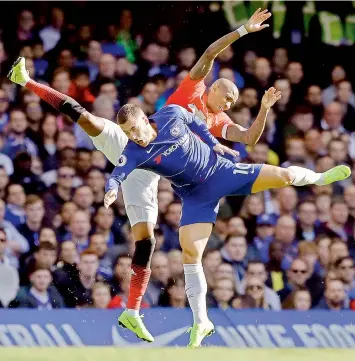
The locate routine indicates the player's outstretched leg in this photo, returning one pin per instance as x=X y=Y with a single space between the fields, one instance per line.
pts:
x=276 y=177
x=193 y=240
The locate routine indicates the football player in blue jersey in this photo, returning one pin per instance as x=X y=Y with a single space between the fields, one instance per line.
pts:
x=177 y=145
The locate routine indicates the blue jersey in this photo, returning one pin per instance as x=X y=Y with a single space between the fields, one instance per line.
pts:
x=177 y=153
x=182 y=153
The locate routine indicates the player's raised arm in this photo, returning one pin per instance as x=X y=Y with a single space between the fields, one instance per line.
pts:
x=204 y=64
x=237 y=133
x=126 y=165
x=66 y=105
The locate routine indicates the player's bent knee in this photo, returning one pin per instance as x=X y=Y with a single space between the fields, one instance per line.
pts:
x=143 y=230
x=190 y=255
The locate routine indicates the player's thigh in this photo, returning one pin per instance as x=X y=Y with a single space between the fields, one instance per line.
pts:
x=140 y=198
x=272 y=177
x=193 y=241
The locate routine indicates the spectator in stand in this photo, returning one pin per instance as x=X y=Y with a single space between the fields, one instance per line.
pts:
x=174 y=293
x=16 y=244
x=80 y=227
x=175 y=263
x=307 y=226
x=287 y=201
x=52 y=33
x=277 y=275
x=234 y=252
x=171 y=226
x=17 y=141
x=55 y=198
x=345 y=271
x=4 y=181
x=99 y=245
x=334 y=296
x=15 y=201
x=66 y=214
x=9 y=278
x=265 y=230
x=66 y=267
x=149 y=97
x=255 y=288
x=103 y=223
x=314 y=100
x=337 y=249
x=41 y=294
x=297 y=276
x=338 y=225
x=329 y=94
x=101 y=296
x=34 y=210
x=84 y=198
x=257 y=269
x=77 y=292
x=122 y=269
x=285 y=232
x=159 y=277
x=223 y=292
x=299 y=300
x=210 y=261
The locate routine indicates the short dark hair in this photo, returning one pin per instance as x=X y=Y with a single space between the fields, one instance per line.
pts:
x=46 y=246
x=126 y=112
x=37 y=267
x=250 y=263
x=337 y=200
x=209 y=251
x=339 y=261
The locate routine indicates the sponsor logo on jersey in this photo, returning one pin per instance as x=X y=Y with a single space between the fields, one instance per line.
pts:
x=122 y=160
x=171 y=149
x=175 y=146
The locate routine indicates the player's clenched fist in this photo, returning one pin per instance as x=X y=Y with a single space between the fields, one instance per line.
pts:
x=222 y=149
x=110 y=197
x=270 y=97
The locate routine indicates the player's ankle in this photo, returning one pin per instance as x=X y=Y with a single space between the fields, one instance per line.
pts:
x=132 y=312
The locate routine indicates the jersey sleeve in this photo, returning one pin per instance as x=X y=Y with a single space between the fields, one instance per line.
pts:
x=126 y=165
x=220 y=125
x=187 y=91
x=111 y=141
x=199 y=128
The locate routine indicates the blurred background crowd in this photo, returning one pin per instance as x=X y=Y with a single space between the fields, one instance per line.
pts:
x=288 y=249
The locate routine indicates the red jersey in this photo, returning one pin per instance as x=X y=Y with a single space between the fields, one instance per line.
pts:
x=192 y=93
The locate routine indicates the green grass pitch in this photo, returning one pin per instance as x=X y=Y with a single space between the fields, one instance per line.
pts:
x=172 y=354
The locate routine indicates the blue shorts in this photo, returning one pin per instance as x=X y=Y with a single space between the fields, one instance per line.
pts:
x=201 y=205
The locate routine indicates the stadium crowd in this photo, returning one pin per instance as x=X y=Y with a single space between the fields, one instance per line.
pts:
x=59 y=247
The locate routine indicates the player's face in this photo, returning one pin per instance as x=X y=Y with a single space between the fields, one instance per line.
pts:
x=137 y=130
x=221 y=97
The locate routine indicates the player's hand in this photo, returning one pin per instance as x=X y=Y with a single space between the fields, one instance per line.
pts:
x=255 y=22
x=222 y=149
x=110 y=197
x=270 y=97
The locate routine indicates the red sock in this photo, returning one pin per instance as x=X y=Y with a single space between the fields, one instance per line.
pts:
x=49 y=95
x=139 y=283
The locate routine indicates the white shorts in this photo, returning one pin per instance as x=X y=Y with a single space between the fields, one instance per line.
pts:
x=140 y=189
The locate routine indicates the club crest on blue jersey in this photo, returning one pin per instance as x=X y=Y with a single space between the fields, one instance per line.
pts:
x=175 y=131
x=122 y=160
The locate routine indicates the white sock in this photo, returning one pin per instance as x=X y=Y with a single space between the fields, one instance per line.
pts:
x=134 y=313
x=196 y=290
x=304 y=176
